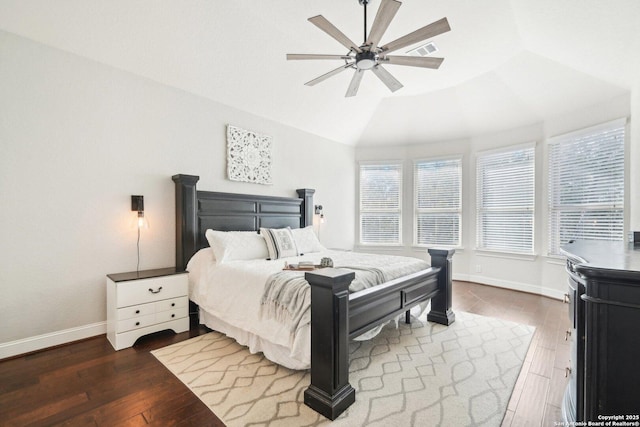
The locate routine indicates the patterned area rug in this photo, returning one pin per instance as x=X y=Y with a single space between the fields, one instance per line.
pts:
x=418 y=374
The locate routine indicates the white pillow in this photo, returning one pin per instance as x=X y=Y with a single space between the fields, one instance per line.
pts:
x=280 y=242
x=306 y=240
x=200 y=260
x=236 y=245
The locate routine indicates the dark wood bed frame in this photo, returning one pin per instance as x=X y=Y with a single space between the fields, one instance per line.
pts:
x=336 y=314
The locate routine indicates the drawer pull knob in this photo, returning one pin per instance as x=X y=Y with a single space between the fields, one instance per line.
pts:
x=567 y=334
x=137 y=323
x=173 y=304
x=567 y=372
x=155 y=292
x=173 y=315
x=565 y=299
x=137 y=311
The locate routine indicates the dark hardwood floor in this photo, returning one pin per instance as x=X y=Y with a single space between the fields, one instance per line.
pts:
x=88 y=383
x=538 y=393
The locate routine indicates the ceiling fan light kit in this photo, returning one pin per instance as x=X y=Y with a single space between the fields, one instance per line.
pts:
x=370 y=56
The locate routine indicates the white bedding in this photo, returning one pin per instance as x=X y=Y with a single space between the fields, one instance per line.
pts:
x=229 y=296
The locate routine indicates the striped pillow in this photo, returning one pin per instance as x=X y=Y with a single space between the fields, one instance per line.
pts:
x=280 y=242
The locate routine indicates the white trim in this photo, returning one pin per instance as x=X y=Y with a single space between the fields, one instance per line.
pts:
x=434 y=246
x=379 y=247
x=507 y=284
x=439 y=158
x=557 y=139
x=381 y=162
x=39 y=342
x=508 y=255
x=516 y=147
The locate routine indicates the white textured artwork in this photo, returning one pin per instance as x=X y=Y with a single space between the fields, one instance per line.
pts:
x=248 y=156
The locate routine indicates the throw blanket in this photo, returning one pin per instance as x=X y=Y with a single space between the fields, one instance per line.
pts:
x=287 y=295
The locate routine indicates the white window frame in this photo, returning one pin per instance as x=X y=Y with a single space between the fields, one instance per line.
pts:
x=453 y=211
x=529 y=209
x=397 y=211
x=555 y=207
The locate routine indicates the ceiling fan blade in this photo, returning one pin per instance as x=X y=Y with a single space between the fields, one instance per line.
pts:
x=327 y=75
x=426 y=32
x=386 y=12
x=326 y=26
x=355 y=83
x=291 y=56
x=392 y=83
x=414 y=61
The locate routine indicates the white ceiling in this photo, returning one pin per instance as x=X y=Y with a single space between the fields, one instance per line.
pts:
x=508 y=63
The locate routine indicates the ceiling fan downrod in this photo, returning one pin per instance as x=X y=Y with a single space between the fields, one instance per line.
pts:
x=364 y=3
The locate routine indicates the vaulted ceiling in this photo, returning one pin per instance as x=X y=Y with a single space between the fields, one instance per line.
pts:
x=508 y=63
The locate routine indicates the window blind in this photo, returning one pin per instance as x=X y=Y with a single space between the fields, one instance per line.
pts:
x=380 y=204
x=437 y=200
x=505 y=200
x=586 y=185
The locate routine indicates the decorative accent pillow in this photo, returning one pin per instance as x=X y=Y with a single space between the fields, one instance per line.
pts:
x=236 y=245
x=306 y=240
x=280 y=242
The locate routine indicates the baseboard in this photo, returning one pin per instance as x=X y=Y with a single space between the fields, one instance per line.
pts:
x=508 y=284
x=39 y=342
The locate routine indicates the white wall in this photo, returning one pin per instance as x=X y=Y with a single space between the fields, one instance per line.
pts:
x=78 y=139
x=539 y=274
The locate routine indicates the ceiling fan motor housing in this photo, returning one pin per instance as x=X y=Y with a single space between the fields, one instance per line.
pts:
x=365 y=60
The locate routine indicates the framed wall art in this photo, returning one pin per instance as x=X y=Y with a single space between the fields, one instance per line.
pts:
x=248 y=156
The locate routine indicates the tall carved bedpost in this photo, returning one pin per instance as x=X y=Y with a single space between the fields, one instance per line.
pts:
x=330 y=392
x=186 y=224
x=441 y=303
x=306 y=194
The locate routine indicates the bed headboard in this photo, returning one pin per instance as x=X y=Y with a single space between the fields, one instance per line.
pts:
x=196 y=211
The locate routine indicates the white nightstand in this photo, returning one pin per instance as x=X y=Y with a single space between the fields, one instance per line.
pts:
x=142 y=302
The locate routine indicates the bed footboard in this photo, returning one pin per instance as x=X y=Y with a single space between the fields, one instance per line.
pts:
x=337 y=316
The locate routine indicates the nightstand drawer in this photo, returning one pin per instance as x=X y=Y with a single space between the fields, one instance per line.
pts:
x=135 y=311
x=172 y=304
x=136 y=323
x=151 y=290
x=166 y=316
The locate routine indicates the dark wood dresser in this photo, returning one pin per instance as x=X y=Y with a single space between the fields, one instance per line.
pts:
x=604 y=306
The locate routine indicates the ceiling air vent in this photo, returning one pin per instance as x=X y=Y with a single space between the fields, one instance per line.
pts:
x=424 y=50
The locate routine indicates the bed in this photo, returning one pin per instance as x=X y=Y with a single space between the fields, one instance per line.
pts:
x=336 y=313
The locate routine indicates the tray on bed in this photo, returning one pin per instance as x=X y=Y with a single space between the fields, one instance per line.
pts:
x=298 y=267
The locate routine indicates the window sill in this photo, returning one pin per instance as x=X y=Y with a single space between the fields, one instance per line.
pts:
x=509 y=255
x=425 y=248
x=372 y=247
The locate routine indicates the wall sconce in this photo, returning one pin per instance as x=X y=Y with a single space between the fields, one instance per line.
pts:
x=137 y=204
x=320 y=212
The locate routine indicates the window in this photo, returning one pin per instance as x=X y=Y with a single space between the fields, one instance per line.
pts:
x=505 y=200
x=380 y=204
x=586 y=185
x=437 y=201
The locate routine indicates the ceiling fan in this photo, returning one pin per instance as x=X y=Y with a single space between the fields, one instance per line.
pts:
x=371 y=56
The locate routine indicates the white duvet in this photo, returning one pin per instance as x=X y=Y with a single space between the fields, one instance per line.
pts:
x=229 y=296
